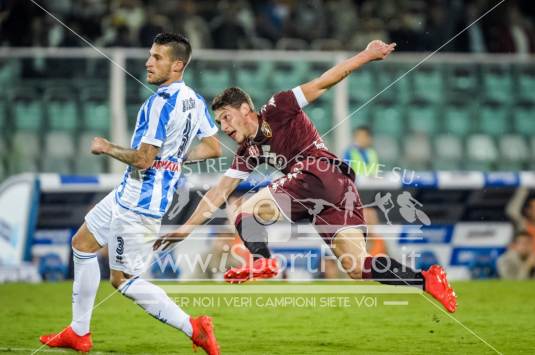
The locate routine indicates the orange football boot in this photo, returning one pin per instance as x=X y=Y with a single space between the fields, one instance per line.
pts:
x=438 y=286
x=261 y=269
x=203 y=335
x=67 y=338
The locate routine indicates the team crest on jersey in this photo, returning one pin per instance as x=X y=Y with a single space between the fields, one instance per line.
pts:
x=266 y=130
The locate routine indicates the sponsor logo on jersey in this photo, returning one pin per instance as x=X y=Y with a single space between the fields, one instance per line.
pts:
x=166 y=165
x=188 y=104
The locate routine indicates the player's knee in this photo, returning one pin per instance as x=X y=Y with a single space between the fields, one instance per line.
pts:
x=266 y=212
x=84 y=241
x=117 y=278
x=81 y=244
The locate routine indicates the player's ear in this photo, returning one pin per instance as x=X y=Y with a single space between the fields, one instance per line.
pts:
x=178 y=66
x=245 y=108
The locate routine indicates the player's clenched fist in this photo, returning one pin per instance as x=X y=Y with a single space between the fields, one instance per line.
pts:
x=379 y=50
x=99 y=145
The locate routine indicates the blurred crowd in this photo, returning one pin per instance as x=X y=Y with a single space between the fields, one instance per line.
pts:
x=416 y=25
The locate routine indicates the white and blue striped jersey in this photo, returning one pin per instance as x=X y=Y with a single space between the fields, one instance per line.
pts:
x=169 y=119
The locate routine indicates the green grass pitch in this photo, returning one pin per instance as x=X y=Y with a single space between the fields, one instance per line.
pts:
x=501 y=313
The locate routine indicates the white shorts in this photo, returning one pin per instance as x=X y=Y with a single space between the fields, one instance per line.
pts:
x=129 y=235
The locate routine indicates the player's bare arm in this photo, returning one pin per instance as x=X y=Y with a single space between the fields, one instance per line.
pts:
x=209 y=147
x=376 y=50
x=215 y=197
x=141 y=158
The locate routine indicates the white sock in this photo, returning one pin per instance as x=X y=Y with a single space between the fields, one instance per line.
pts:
x=84 y=290
x=155 y=301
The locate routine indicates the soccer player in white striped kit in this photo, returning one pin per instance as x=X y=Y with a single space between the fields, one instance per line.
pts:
x=128 y=218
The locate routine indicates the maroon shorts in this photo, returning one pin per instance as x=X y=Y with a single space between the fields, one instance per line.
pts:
x=322 y=194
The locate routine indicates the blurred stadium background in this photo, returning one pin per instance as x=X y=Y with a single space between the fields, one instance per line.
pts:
x=462 y=123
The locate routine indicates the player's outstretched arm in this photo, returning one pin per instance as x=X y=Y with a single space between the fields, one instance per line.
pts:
x=376 y=50
x=141 y=158
x=209 y=147
x=214 y=198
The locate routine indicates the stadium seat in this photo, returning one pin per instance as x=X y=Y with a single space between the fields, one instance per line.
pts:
x=387 y=148
x=28 y=115
x=3 y=116
x=89 y=165
x=254 y=77
x=387 y=74
x=97 y=116
x=50 y=164
x=62 y=115
x=287 y=75
x=214 y=77
x=17 y=165
x=462 y=80
x=189 y=78
x=26 y=144
x=24 y=154
x=497 y=82
x=321 y=115
x=482 y=152
x=3 y=170
x=524 y=118
x=417 y=151
x=458 y=118
x=448 y=152
x=388 y=119
x=493 y=119
x=525 y=77
x=446 y=165
x=3 y=155
x=315 y=70
x=423 y=117
x=84 y=142
x=513 y=148
x=361 y=85
x=132 y=109
x=59 y=145
x=532 y=152
x=428 y=83
x=360 y=114
x=10 y=72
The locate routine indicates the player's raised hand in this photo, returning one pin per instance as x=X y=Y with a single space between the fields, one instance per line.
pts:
x=99 y=145
x=379 y=50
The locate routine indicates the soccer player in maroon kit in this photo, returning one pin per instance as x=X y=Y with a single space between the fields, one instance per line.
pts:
x=316 y=180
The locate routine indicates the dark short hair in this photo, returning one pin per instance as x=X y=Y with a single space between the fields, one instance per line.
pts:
x=179 y=44
x=232 y=97
x=527 y=205
x=364 y=128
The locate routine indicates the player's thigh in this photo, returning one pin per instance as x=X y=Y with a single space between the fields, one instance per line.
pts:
x=349 y=246
x=130 y=242
x=98 y=219
x=262 y=205
x=85 y=241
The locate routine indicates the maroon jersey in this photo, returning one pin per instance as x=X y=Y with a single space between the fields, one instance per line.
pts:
x=285 y=136
x=317 y=185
